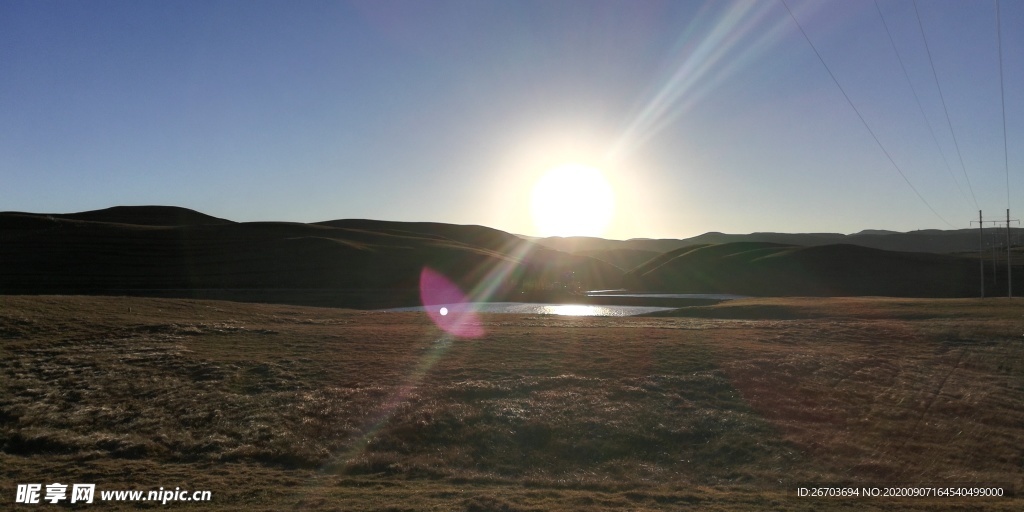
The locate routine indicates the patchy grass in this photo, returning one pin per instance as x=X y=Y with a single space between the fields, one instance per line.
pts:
x=273 y=407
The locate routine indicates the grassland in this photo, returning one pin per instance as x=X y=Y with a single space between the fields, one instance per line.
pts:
x=730 y=407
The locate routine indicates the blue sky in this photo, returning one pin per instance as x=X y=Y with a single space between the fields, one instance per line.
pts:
x=704 y=116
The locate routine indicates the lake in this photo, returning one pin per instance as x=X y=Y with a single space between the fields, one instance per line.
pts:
x=708 y=296
x=536 y=308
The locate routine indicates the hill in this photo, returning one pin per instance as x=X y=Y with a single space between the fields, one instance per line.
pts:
x=172 y=252
x=932 y=240
x=176 y=252
x=478 y=236
x=145 y=216
x=763 y=269
x=624 y=259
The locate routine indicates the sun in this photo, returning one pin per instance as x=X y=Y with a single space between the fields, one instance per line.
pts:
x=572 y=200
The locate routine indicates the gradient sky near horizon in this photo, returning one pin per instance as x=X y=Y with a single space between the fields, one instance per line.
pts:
x=703 y=115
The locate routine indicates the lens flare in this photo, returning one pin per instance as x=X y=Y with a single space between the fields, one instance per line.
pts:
x=436 y=291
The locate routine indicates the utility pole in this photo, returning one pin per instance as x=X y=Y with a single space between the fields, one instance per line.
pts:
x=981 y=252
x=995 y=253
x=981 y=257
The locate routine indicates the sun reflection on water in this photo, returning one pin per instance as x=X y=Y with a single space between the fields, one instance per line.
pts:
x=574 y=310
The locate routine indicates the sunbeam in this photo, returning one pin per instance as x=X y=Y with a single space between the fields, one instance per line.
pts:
x=436 y=291
x=702 y=61
x=358 y=445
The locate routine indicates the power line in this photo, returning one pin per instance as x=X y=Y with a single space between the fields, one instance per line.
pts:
x=920 y=107
x=861 y=117
x=943 y=98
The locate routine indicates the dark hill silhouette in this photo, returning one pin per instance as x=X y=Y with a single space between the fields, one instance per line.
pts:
x=767 y=269
x=147 y=216
x=625 y=259
x=349 y=263
x=473 y=235
x=580 y=244
x=167 y=251
x=932 y=240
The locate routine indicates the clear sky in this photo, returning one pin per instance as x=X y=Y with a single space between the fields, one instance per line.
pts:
x=701 y=115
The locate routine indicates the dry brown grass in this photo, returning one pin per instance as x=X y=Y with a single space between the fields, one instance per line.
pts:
x=273 y=407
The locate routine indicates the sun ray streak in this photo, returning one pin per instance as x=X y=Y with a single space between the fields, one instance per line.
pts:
x=494 y=278
x=402 y=394
x=735 y=38
x=498 y=275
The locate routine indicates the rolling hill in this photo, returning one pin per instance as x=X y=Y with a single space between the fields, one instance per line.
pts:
x=177 y=252
x=146 y=216
x=930 y=240
x=763 y=269
x=625 y=259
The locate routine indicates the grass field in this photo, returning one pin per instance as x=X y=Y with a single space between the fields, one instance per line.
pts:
x=730 y=407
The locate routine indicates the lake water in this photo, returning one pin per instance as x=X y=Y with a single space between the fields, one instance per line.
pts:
x=711 y=296
x=534 y=308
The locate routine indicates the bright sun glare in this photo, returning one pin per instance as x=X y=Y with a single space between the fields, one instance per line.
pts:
x=572 y=200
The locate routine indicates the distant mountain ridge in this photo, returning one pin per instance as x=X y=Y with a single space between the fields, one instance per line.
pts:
x=169 y=251
x=932 y=240
x=162 y=250
x=765 y=268
x=146 y=216
x=469 y=234
x=624 y=259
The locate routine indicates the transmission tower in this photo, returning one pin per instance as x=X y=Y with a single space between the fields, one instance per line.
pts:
x=981 y=251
